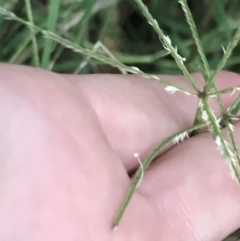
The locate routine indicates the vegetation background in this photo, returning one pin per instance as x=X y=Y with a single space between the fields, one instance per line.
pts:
x=120 y=27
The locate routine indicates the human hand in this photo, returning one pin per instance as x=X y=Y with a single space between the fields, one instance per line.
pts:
x=67 y=145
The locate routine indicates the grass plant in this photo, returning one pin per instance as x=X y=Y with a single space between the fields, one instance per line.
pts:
x=87 y=36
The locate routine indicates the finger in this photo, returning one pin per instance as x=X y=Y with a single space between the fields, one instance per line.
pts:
x=136 y=113
x=192 y=191
x=58 y=175
x=60 y=180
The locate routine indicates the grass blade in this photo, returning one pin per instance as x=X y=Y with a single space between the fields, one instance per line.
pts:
x=34 y=41
x=51 y=23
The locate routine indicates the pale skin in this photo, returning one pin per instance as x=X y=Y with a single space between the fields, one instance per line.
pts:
x=67 y=147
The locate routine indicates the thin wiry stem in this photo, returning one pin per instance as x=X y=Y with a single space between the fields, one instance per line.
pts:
x=91 y=53
x=96 y=47
x=230 y=129
x=201 y=52
x=155 y=152
x=33 y=33
x=226 y=55
x=223 y=91
x=234 y=108
x=223 y=145
x=167 y=43
x=234 y=117
x=196 y=37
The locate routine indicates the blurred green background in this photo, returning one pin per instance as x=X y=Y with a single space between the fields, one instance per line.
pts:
x=120 y=26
